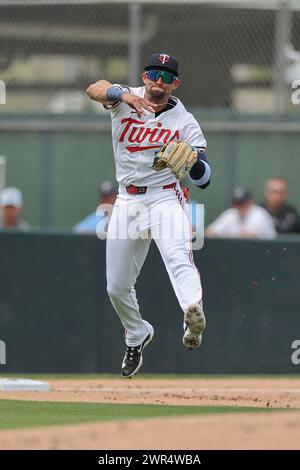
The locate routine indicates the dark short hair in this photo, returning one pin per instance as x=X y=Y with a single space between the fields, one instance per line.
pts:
x=240 y=195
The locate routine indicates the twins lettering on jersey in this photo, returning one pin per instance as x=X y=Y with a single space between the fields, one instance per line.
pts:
x=135 y=132
x=137 y=138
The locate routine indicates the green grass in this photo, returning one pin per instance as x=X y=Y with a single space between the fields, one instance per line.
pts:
x=22 y=414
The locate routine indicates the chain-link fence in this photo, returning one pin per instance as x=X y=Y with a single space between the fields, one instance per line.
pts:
x=238 y=55
x=240 y=70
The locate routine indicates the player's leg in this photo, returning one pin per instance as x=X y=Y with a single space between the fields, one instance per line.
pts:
x=173 y=238
x=171 y=232
x=124 y=259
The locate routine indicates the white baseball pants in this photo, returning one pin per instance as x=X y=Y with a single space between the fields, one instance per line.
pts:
x=159 y=214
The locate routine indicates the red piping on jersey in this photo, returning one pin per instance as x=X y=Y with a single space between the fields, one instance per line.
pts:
x=137 y=148
x=191 y=257
x=186 y=193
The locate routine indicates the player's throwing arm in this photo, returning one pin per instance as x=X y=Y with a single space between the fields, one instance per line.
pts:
x=105 y=93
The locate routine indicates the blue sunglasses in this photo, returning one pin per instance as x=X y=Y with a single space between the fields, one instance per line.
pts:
x=167 y=77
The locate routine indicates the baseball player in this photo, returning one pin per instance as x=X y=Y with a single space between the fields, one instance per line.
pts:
x=156 y=142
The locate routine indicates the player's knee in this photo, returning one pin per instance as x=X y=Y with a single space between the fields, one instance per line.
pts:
x=117 y=291
x=175 y=259
x=179 y=265
x=112 y=291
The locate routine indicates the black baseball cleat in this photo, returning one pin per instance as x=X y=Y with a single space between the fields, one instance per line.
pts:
x=133 y=358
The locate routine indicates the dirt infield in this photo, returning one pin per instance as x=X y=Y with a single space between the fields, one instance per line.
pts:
x=276 y=393
x=277 y=430
x=263 y=431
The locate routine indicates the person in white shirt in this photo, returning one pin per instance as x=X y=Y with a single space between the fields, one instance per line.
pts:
x=244 y=219
x=11 y=206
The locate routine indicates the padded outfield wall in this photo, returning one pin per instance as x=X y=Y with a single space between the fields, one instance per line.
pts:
x=55 y=315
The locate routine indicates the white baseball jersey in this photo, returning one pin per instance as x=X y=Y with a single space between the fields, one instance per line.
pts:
x=135 y=140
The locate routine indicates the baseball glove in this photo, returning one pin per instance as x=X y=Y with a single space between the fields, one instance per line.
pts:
x=178 y=156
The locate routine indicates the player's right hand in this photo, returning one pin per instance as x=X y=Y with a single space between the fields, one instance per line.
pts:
x=139 y=104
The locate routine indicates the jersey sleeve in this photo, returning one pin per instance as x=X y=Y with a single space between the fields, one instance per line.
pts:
x=200 y=174
x=192 y=133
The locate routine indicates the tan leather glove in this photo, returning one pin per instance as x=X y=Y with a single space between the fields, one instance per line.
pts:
x=178 y=156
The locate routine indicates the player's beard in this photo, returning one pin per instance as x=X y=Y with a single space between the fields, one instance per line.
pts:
x=157 y=95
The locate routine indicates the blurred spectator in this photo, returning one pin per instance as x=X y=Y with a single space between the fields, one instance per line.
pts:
x=285 y=217
x=244 y=220
x=11 y=204
x=97 y=221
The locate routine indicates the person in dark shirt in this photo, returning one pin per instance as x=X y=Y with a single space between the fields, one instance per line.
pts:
x=285 y=216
